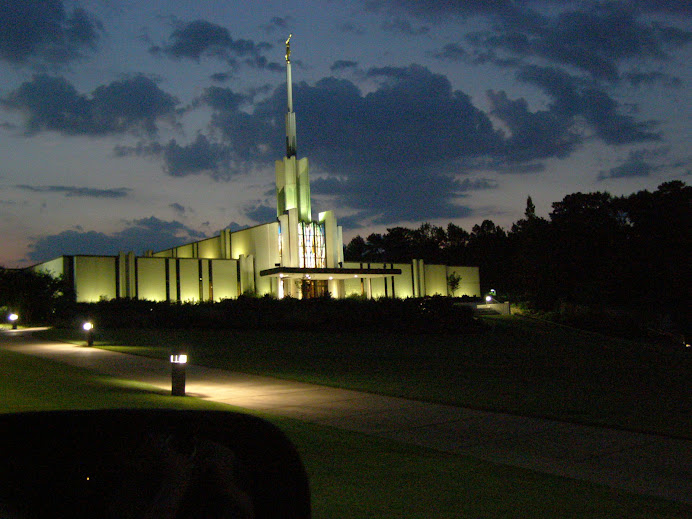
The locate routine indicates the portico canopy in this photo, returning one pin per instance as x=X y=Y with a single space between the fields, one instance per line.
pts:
x=328 y=273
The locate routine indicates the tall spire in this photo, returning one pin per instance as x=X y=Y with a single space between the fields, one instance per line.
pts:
x=290 y=115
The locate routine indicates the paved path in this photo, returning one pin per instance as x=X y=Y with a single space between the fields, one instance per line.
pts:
x=641 y=463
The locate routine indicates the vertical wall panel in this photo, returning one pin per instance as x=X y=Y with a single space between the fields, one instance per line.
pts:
x=151 y=279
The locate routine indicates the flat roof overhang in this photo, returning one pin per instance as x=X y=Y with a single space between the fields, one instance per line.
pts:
x=337 y=273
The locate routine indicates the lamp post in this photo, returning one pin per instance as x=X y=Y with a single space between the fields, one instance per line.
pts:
x=13 y=319
x=89 y=329
x=178 y=362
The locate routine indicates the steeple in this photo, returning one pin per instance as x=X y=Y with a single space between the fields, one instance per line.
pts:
x=290 y=115
x=292 y=173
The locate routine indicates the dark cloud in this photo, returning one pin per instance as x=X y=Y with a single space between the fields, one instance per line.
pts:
x=44 y=32
x=139 y=236
x=533 y=135
x=72 y=191
x=222 y=99
x=513 y=168
x=384 y=199
x=678 y=7
x=403 y=26
x=201 y=156
x=452 y=52
x=177 y=208
x=261 y=213
x=595 y=41
x=638 y=78
x=477 y=184
x=631 y=168
x=201 y=39
x=351 y=28
x=639 y=163
x=132 y=105
x=221 y=77
x=278 y=23
x=575 y=98
x=594 y=37
x=434 y=9
x=343 y=64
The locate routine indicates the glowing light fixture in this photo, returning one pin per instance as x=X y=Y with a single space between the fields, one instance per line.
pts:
x=88 y=327
x=13 y=319
x=178 y=361
x=488 y=299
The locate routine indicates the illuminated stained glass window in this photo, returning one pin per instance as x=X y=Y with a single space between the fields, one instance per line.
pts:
x=311 y=245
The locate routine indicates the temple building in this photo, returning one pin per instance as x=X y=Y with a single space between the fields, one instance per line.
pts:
x=296 y=255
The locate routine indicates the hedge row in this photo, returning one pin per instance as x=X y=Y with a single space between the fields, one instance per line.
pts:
x=430 y=314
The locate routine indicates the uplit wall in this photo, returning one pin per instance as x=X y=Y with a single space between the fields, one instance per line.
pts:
x=470 y=283
x=94 y=278
x=262 y=244
x=54 y=267
x=151 y=279
x=416 y=280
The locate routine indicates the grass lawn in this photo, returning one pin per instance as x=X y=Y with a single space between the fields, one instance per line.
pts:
x=352 y=475
x=511 y=364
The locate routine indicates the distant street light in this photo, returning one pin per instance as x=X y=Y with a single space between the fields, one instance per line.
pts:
x=13 y=319
x=89 y=329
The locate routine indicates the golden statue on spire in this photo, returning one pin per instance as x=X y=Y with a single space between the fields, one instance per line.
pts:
x=288 y=48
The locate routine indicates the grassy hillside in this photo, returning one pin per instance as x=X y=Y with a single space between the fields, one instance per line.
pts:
x=510 y=364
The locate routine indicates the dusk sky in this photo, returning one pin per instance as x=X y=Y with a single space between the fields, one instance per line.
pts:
x=133 y=125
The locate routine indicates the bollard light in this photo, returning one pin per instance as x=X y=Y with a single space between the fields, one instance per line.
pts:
x=178 y=362
x=89 y=329
x=13 y=319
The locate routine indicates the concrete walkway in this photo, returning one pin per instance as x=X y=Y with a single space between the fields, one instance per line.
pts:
x=641 y=463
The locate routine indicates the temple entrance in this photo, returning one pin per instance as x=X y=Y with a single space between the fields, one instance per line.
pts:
x=314 y=288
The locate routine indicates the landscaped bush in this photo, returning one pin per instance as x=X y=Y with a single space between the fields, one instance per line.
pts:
x=430 y=314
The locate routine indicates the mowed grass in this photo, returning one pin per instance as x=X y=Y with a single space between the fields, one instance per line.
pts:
x=512 y=364
x=351 y=475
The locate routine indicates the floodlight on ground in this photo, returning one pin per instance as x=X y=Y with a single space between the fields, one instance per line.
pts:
x=88 y=327
x=178 y=362
x=13 y=319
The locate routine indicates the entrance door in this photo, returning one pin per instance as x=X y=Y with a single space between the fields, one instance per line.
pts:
x=314 y=288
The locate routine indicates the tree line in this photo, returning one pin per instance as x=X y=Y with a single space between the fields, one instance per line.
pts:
x=594 y=250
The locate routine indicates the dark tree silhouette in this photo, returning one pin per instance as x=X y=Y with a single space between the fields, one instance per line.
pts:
x=595 y=250
x=34 y=296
